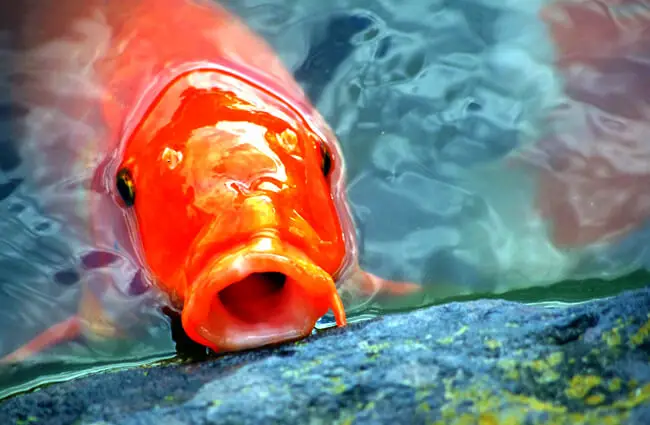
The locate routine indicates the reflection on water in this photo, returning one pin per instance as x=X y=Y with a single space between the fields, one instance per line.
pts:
x=487 y=157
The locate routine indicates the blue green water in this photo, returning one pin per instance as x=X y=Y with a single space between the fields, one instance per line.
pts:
x=428 y=99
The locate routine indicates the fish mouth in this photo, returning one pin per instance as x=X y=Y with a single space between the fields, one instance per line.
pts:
x=261 y=293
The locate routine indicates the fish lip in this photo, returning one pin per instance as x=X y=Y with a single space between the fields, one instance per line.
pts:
x=310 y=293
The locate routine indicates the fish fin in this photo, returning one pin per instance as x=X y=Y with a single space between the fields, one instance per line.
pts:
x=93 y=317
x=362 y=284
x=373 y=284
x=66 y=330
x=90 y=322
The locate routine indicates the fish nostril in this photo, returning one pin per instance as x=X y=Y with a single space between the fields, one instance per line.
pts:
x=266 y=184
x=257 y=186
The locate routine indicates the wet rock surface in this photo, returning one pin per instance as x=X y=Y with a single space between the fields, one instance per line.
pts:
x=485 y=362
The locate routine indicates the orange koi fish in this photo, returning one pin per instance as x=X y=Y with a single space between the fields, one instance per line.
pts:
x=207 y=156
x=594 y=173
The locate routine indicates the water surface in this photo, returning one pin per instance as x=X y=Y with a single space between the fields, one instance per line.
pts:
x=433 y=103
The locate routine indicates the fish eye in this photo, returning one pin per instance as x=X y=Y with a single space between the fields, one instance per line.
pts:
x=326 y=159
x=125 y=186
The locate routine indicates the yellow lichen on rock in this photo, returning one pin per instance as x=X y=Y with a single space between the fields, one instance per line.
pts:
x=580 y=385
x=642 y=334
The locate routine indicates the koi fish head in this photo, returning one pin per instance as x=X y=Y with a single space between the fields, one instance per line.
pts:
x=228 y=191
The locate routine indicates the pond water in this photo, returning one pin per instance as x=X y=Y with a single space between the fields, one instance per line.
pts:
x=490 y=153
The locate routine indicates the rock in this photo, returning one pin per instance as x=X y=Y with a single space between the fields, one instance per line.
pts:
x=480 y=362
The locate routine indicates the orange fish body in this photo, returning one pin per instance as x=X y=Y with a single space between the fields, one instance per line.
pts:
x=593 y=165
x=228 y=183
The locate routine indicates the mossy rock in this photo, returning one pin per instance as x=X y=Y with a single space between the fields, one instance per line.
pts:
x=481 y=362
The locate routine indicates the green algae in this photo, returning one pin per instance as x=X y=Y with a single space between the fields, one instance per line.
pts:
x=542 y=369
x=478 y=403
x=347 y=417
x=580 y=385
x=595 y=399
x=338 y=386
x=424 y=407
x=612 y=337
x=615 y=336
x=510 y=369
x=306 y=368
x=586 y=399
x=446 y=340
x=28 y=421
x=642 y=334
x=373 y=348
x=492 y=343
x=615 y=384
x=373 y=351
x=450 y=339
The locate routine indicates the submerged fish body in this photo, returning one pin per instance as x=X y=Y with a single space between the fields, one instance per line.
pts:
x=205 y=162
x=593 y=161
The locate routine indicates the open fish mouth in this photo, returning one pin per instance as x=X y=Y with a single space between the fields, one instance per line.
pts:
x=263 y=292
x=256 y=297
